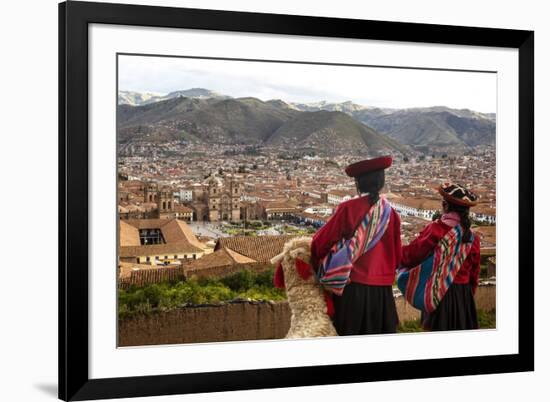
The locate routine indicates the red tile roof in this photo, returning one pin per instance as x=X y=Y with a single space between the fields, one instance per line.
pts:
x=177 y=234
x=258 y=248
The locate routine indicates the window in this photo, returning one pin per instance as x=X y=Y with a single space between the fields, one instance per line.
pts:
x=175 y=257
x=148 y=259
x=156 y=257
x=151 y=236
x=165 y=257
x=194 y=256
x=185 y=256
x=137 y=260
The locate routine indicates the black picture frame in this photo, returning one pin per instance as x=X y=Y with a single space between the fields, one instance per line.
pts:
x=74 y=18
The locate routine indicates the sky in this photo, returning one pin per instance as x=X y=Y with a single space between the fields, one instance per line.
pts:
x=302 y=83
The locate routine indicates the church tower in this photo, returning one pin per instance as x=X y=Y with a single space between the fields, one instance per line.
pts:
x=165 y=202
x=150 y=192
x=235 y=190
x=214 y=191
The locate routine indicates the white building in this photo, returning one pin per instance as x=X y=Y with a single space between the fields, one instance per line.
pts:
x=490 y=219
x=405 y=210
x=186 y=194
x=249 y=198
x=322 y=210
x=336 y=197
x=312 y=194
x=427 y=214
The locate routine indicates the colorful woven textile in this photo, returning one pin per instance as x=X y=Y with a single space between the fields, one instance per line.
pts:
x=425 y=285
x=335 y=269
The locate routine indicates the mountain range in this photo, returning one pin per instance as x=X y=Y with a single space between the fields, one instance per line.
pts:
x=248 y=121
x=202 y=115
x=144 y=98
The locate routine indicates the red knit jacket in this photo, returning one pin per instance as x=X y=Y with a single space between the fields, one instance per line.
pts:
x=424 y=244
x=375 y=267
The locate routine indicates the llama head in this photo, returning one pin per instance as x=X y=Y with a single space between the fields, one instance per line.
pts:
x=293 y=264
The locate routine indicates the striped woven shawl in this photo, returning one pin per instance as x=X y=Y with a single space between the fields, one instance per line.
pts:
x=335 y=269
x=425 y=285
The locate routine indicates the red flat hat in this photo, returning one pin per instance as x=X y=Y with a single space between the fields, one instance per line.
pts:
x=369 y=165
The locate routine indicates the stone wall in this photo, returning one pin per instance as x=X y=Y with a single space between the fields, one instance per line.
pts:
x=228 y=322
x=486 y=297
x=236 y=322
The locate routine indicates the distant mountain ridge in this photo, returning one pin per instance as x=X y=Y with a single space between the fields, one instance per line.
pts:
x=429 y=127
x=435 y=127
x=243 y=119
x=138 y=99
x=333 y=129
x=249 y=121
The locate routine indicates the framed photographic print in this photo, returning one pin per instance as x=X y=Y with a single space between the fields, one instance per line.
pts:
x=241 y=193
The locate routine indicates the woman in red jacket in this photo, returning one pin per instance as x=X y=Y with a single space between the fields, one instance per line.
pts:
x=457 y=309
x=366 y=305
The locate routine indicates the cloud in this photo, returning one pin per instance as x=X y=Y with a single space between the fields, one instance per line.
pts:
x=295 y=82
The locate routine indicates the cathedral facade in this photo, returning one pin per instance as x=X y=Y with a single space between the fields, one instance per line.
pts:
x=223 y=198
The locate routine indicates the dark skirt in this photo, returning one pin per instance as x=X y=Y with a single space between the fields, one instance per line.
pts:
x=456 y=311
x=365 y=309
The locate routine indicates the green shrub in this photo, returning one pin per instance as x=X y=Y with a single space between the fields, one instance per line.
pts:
x=239 y=281
x=483 y=270
x=265 y=278
x=487 y=319
x=166 y=296
x=410 y=326
x=263 y=293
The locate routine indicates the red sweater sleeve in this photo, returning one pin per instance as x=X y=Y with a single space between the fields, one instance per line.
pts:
x=421 y=247
x=475 y=267
x=397 y=237
x=340 y=225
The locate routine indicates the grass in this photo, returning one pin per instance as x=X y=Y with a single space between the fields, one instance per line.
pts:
x=486 y=320
x=298 y=231
x=409 y=326
x=168 y=296
x=238 y=229
x=483 y=269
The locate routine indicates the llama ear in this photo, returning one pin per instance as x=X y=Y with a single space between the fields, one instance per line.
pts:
x=279 y=277
x=304 y=269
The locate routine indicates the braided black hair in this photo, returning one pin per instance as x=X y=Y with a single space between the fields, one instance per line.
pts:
x=371 y=183
x=465 y=221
